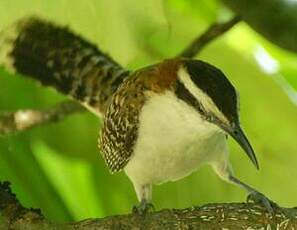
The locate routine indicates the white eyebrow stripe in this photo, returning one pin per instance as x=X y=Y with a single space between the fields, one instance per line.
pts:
x=202 y=97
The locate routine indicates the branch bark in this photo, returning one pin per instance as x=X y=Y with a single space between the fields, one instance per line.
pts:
x=276 y=20
x=213 y=32
x=12 y=122
x=211 y=216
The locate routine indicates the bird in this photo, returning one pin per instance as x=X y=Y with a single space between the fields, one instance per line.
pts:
x=160 y=123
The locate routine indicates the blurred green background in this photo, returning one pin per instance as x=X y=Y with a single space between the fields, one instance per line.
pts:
x=58 y=168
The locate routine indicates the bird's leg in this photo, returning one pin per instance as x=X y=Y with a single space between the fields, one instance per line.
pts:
x=254 y=195
x=224 y=170
x=259 y=198
x=144 y=195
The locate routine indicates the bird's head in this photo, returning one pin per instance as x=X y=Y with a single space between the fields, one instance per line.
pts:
x=208 y=90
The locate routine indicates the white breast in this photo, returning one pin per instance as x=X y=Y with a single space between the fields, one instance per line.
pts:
x=173 y=141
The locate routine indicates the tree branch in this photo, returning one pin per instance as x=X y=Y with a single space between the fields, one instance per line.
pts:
x=211 y=216
x=11 y=122
x=213 y=32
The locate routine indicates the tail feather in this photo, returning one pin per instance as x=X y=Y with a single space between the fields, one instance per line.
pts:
x=56 y=57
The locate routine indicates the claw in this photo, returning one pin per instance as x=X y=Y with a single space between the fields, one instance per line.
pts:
x=143 y=208
x=268 y=204
x=261 y=199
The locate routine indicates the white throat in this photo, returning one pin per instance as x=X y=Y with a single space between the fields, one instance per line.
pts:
x=173 y=141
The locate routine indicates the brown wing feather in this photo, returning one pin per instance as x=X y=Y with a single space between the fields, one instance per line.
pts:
x=120 y=128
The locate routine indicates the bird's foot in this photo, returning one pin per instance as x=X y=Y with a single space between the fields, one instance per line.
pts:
x=143 y=208
x=261 y=199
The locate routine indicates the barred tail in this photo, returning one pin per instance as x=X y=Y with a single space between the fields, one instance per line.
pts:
x=56 y=57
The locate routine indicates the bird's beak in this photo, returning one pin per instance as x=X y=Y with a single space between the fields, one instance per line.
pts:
x=239 y=136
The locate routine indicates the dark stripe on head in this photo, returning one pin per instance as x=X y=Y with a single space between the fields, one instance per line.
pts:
x=214 y=83
x=184 y=94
